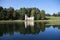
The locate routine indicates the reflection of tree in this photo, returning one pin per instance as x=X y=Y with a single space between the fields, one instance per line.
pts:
x=1 y=31
x=11 y=27
x=37 y=27
x=58 y=26
x=6 y=28
x=40 y=26
x=20 y=27
x=48 y=26
x=54 y=26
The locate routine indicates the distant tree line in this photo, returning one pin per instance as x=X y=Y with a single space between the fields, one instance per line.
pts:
x=11 y=14
x=54 y=14
x=8 y=14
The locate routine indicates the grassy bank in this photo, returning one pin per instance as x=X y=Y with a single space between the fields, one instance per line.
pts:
x=52 y=19
x=29 y=21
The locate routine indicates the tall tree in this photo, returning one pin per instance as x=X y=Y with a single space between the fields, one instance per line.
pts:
x=58 y=14
x=42 y=14
x=54 y=14
x=1 y=8
x=22 y=12
x=32 y=12
x=10 y=11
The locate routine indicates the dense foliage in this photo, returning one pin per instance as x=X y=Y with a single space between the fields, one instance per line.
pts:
x=11 y=14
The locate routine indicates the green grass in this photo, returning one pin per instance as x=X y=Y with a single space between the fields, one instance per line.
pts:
x=10 y=21
x=53 y=18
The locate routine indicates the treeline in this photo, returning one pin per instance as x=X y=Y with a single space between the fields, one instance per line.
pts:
x=8 y=14
x=11 y=14
x=54 y=14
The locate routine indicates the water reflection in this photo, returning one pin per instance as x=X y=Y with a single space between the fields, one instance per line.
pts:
x=29 y=23
x=36 y=28
x=20 y=27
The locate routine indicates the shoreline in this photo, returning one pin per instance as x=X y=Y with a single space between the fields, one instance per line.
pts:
x=29 y=21
x=49 y=22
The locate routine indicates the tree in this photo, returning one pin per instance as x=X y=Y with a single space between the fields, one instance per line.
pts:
x=58 y=14
x=22 y=12
x=3 y=14
x=14 y=15
x=54 y=14
x=17 y=16
x=0 y=15
x=10 y=11
x=11 y=14
x=1 y=8
x=32 y=12
x=38 y=15
x=42 y=14
x=47 y=14
x=29 y=11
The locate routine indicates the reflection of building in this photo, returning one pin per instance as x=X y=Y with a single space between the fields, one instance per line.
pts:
x=29 y=21
x=20 y=27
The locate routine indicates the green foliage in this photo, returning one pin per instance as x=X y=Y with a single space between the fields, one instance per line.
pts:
x=11 y=14
x=1 y=8
x=42 y=14
x=56 y=14
x=32 y=12
x=47 y=14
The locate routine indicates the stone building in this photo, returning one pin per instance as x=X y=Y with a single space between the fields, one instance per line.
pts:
x=29 y=21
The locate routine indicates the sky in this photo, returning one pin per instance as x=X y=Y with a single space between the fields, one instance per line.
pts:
x=50 y=6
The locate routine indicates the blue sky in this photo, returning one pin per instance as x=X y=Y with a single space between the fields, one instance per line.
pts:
x=50 y=6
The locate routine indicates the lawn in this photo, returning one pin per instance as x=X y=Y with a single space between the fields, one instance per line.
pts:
x=52 y=20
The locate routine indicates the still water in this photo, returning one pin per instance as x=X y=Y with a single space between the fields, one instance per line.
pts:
x=29 y=31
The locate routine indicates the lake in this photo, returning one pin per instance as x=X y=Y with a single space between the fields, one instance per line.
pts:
x=29 y=31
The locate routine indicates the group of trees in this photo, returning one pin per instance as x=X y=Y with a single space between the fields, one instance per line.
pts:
x=11 y=14
x=56 y=14
x=32 y=12
x=7 y=14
